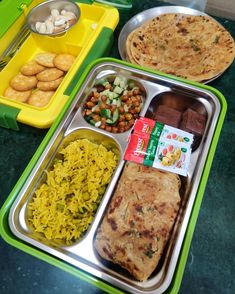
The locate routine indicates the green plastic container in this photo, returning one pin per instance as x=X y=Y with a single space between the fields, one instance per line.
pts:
x=14 y=11
x=119 y=4
x=14 y=241
x=94 y=43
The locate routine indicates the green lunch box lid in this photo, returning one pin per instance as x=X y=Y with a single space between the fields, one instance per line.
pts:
x=119 y=4
x=10 y=11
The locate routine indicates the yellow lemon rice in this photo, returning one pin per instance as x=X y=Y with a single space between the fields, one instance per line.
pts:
x=64 y=206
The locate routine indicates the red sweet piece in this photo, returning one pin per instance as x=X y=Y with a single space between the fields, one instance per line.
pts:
x=193 y=122
x=168 y=116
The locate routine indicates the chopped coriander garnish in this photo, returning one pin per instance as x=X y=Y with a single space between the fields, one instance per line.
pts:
x=149 y=253
x=216 y=40
x=195 y=47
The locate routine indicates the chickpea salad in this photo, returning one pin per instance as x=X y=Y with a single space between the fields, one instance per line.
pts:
x=113 y=105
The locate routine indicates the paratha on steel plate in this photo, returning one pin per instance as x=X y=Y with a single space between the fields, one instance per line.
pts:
x=194 y=47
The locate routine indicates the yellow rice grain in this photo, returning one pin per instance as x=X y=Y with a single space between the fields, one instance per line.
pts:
x=64 y=206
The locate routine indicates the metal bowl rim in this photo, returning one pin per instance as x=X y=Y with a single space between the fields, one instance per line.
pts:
x=46 y=3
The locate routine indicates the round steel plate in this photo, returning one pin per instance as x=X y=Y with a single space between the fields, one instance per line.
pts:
x=146 y=15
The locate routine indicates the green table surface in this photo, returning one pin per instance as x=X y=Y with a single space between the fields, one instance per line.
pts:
x=211 y=261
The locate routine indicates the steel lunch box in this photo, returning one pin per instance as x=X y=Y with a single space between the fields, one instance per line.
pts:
x=81 y=258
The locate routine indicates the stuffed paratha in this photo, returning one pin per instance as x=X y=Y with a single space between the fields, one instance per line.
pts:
x=194 y=47
x=139 y=220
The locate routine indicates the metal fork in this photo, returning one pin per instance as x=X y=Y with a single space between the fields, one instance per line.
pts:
x=14 y=46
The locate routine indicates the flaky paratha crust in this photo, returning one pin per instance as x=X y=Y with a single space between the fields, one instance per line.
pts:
x=194 y=47
x=139 y=219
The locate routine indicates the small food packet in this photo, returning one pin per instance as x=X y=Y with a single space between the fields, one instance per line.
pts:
x=173 y=157
x=160 y=146
x=171 y=133
x=141 y=149
x=144 y=126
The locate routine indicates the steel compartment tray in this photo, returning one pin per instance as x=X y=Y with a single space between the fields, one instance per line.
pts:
x=82 y=254
x=89 y=39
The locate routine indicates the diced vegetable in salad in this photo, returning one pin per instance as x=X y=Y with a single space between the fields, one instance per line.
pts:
x=113 y=105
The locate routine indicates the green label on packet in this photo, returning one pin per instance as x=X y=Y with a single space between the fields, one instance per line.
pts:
x=150 y=151
x=157 y=130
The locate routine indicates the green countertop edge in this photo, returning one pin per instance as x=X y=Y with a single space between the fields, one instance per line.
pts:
x=176 y=281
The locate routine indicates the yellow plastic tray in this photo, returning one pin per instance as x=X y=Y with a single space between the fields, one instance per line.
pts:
x=77 y=41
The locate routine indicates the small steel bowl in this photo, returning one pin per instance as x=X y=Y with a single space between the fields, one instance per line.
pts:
x=41 y=13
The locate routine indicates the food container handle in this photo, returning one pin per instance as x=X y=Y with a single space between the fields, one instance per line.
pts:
x=100 y=48
x=8 y=117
